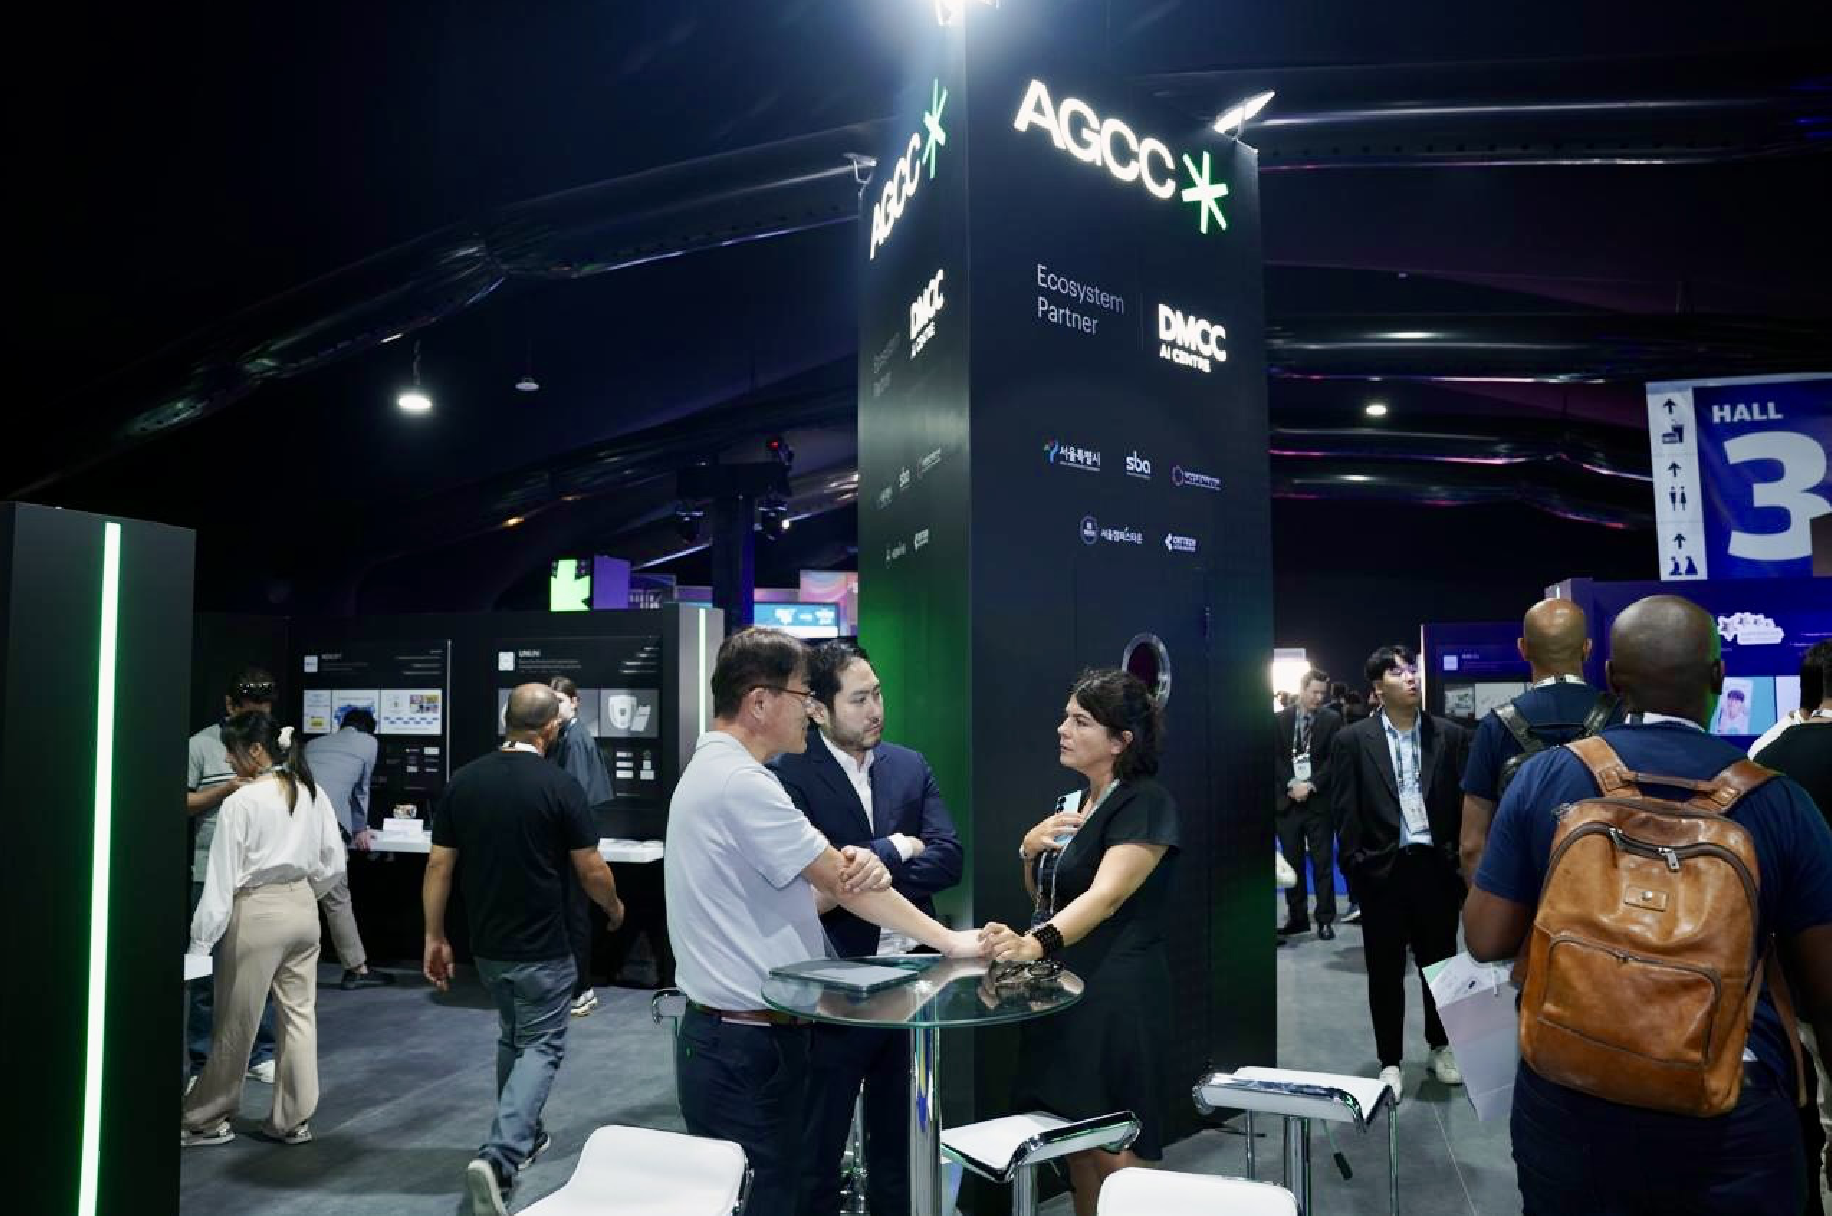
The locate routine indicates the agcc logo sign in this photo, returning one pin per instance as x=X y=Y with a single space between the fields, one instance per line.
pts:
x=906 y=176
x=1075 y=128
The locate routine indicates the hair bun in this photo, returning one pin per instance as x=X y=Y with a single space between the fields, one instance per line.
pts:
x=286 y=738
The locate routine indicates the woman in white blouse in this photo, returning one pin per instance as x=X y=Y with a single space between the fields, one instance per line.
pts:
x=276 y=850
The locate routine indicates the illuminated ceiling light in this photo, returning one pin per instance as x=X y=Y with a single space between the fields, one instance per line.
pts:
x=1234 y=119
x=528 y=384
x=1375 y=409
x=948 y=12
x=1409 y=335
x=1357 y=477
x=392 y=338
x=515 y=521
x=415 y=400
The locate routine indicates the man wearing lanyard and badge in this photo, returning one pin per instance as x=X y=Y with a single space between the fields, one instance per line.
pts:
x=1394 y=789
x=1555 y=642
x=1301 y=802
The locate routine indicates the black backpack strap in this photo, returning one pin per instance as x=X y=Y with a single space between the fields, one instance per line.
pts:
x=1599 y=716
x=1518 y=726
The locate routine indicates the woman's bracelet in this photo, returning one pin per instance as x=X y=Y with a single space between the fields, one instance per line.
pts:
x=1049 y=937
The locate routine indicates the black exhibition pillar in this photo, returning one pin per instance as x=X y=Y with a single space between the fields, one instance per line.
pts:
x=95 y=644
x=1063 y=459
x=734 y=558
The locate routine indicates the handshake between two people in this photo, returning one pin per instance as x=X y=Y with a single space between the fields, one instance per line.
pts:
x=863 y=871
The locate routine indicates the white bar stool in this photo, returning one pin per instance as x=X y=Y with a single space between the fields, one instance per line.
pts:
x=1009 y=1149
x=1136 y=1192
x=638 y=1171
x=1298 y=1098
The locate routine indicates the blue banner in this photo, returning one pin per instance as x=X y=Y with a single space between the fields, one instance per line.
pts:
x=1740 y=474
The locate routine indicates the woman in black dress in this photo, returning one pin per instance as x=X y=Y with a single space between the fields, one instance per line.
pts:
x=1100 y=875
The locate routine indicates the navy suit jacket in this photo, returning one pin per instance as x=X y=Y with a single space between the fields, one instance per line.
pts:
x=904 y=798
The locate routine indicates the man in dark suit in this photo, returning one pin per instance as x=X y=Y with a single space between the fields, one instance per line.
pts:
x=1304 y=819
x=1395 y=783
x=859 y=790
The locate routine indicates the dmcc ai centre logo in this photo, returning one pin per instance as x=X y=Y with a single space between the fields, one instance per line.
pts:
x=1075 y=128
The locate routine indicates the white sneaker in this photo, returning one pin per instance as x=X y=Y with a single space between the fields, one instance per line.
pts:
x=264 y=1071
x=1444 y=1066
x=219 y=1134
x=1391 y=1077
x=486 y=1193
x=584 y=1003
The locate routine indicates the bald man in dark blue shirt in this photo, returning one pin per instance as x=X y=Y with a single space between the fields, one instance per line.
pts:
x=1579 y=1154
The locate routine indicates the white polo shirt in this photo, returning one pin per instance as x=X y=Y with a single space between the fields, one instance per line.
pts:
x=737 y=903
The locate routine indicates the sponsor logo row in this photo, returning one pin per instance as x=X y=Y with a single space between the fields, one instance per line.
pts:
x=1066 y=455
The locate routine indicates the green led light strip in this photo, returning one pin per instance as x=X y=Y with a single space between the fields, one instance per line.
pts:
x=701 y=653
x=98 y=882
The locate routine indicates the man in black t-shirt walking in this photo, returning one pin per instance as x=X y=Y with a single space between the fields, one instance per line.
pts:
x=520 y=825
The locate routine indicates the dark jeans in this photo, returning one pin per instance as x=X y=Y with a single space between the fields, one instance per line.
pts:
x=1576 y=1155
x=842 y=1058
x=747 y=1084
x=1304 y=827
x=1415 y=906
x=645 y=914
x=531 y=1011
x=579 y=934
x=200 y=1014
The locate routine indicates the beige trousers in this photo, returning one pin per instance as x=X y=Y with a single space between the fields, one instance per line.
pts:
x=271 y=943
x=341 y=917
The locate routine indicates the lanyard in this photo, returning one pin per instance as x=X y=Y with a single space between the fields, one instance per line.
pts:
x=1050 y=861
x=1404 y=774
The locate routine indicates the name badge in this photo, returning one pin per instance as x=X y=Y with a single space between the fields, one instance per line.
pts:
x=1412 y=806
x=1300 y=767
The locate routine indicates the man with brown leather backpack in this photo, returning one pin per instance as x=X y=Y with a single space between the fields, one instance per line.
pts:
x=1655 y=882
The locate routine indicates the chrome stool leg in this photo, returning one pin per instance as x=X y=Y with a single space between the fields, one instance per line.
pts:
x=852 y=1163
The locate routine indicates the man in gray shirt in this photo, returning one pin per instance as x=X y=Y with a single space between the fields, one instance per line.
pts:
x=208 y=782
x=747 y=879
x=344 y=764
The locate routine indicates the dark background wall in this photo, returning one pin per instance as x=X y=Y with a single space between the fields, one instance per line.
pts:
x=1351 y=576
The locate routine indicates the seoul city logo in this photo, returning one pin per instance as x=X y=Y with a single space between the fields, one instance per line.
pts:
x=1075 y=128
x=906 y=176
x=1750 y=629
x=1190 y=341
x=1090 y=530
x=1071 y=456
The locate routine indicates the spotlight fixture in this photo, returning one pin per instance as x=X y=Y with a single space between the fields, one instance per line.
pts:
x=528 y=384
x=1234 y=119
x=415 y=400
x=772 y=517
x=1375 y=409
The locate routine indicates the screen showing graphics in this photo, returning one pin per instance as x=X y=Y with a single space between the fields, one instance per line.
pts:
x=405 y=686
x=1746 y=707
x=620 y=699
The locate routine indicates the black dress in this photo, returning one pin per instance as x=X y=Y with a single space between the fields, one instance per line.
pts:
x=1105 y=1053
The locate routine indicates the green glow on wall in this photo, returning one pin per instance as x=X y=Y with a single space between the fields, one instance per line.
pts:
x=99 y=878
x=569 y=586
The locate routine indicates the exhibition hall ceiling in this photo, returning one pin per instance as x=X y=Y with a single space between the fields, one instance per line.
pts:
x=238 y=228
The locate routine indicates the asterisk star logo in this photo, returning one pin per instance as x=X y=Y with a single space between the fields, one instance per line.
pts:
x=1205 y=194
x=931 y=122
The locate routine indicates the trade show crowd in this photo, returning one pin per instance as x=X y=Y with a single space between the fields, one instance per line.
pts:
x=1662 y=1068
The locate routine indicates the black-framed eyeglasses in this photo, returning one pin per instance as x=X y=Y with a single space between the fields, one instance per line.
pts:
x=806 y=694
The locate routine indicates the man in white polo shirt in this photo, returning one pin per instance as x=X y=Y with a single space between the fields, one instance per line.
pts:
x=747 y=878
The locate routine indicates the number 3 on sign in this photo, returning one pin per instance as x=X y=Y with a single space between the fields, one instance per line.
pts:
x=1803 y=467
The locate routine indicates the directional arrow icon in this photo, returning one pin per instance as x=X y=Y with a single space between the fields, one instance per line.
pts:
x=1669 y=409
x=1679 y=540
x=1674 y=468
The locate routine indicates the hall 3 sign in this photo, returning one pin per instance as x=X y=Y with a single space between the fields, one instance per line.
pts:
x=1110 y=143
x=1740 y=474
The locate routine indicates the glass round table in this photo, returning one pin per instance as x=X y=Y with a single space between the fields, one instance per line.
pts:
x=945 y=994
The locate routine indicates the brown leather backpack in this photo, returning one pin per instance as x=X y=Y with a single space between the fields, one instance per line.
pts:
x=1643 y=967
